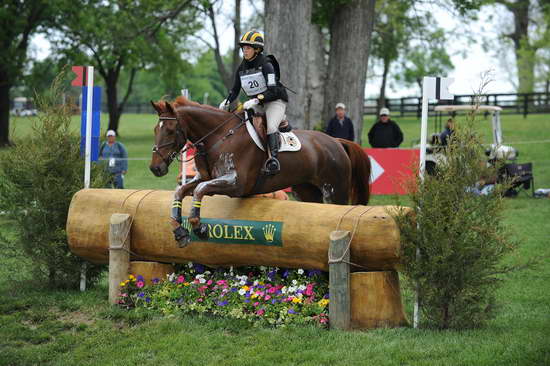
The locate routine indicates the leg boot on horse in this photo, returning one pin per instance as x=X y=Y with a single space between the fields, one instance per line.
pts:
x=272 y=165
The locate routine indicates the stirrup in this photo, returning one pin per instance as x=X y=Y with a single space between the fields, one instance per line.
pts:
x=271 y=166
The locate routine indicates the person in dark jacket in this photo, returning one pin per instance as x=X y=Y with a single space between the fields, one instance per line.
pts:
x=259 y=76
x=449 y=130
x=385 y=132
x=340 y=125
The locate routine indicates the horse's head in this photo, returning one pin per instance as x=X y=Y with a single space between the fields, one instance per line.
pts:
x=170 y=138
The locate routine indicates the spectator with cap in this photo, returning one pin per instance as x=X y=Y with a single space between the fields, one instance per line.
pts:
x=385 y=132
x=116 y=156
x=340 y=125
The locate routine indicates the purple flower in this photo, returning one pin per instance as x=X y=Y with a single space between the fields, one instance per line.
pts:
x=291 y=311
x=147 y=299
x=273 y=301
x=141 y=294
x=271 y=275
x=313 y=272
x=326 y=295
x=155 y=280
x=247 y=300
x=285 y=273
x=140 y=278
x=223 y=303
x=198 y=267
x=233 y=289
x=247 y=294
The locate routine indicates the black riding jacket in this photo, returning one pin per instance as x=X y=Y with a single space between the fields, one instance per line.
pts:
x=275 y=90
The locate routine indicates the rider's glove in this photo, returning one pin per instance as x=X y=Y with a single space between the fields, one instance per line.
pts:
x=250 y=103
x=224 y=105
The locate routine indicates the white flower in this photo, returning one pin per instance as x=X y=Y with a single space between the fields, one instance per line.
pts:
x=171 y=277
x=242 y=292
x=284 y=290
x=256 y=283
x=300 y=271
x=291 y=289
x=299 y=295
x=190 y=264
x=294 y=282
x=242 y=283
x=302 y=287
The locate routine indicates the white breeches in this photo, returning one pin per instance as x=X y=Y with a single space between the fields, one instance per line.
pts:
x=274 y=113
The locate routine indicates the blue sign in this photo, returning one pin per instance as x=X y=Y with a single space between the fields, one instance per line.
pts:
x=96 y=125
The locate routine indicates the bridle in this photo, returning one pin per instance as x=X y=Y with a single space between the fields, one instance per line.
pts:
x=180 y=133
x=180 y=136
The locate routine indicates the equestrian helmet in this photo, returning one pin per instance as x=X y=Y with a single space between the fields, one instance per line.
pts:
x=252 y=38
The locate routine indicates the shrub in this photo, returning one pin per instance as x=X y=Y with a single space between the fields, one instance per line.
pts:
x=460 y=237
x=38 y=177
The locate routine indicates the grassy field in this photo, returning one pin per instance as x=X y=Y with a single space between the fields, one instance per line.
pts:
x=44 y=327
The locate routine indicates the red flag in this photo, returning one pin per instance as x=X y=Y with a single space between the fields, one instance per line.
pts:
x=81 y=78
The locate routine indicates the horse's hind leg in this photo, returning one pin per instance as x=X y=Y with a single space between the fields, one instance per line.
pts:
x=308 y=193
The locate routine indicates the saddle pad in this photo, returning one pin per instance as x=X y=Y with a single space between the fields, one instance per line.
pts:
x=288 y=140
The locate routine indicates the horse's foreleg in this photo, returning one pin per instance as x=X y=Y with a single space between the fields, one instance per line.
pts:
x=180 y=233
x=226 y=184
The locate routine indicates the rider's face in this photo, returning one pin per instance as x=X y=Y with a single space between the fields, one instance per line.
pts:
x=248 y=52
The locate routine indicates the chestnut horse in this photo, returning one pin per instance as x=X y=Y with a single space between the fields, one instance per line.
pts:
x=229 y=163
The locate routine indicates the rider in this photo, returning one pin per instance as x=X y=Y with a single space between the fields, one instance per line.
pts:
x=258 y=75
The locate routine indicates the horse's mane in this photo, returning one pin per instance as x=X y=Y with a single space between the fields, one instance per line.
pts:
x=184 y=102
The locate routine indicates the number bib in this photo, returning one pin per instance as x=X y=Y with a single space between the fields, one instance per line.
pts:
x=254 y=83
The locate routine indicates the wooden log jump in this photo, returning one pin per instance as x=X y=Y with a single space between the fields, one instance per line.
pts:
x=251 y=231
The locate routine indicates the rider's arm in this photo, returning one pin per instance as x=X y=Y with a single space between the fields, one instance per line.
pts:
x=273 y=91
x=236 y=89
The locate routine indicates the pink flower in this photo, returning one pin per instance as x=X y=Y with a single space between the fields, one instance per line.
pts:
x=199 y=299
x=256 y=303
x=220 y=283
x=272 y=290
x=140 y=284
x=209 y=282
x=267 y=297
x=260 y=312
x=180 y=279
x=309 y=290
x=202 y=288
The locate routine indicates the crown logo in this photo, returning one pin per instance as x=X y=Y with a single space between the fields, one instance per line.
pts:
x=269 y=232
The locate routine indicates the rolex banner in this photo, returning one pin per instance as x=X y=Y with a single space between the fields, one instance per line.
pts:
x=225 y=231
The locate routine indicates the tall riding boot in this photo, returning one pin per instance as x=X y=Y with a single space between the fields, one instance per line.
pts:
x=272 y=165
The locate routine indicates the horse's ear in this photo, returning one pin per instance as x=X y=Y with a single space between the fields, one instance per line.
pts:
x=170 y=108
x=157 y=108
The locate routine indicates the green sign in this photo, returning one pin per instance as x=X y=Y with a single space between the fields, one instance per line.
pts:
x=223 y=231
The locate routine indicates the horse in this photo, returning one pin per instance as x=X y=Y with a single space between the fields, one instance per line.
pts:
x=229 y=163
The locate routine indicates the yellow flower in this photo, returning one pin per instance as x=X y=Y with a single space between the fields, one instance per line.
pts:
x=122 y=284
x=246 y=288
x=297 y=300
x=253 y=296
x=125 y=282
x=131 y=277
x=323 y=302
x=186 y=283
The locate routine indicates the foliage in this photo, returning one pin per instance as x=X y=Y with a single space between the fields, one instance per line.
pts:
x=38 y=178
x=267 y=295
x=459 y=236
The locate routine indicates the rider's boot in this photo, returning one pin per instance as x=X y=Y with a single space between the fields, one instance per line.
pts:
x=272 y=165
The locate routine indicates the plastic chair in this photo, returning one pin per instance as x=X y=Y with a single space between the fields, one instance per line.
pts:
x=520 y=176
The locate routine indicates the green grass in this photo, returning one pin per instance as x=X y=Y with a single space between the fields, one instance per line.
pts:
x=45 y=327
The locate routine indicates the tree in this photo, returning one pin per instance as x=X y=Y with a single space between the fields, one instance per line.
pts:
x=351 y=23
x=19 y=20
x=290 y=43
x=426 y=59
x=120 y=35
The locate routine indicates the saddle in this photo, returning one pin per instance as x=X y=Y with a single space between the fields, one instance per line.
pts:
x=259 y=122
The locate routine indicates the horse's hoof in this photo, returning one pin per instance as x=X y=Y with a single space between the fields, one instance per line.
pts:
x=201 y=232
x=182 y=236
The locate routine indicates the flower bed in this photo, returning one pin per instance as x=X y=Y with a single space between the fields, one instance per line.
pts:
x=264 y=295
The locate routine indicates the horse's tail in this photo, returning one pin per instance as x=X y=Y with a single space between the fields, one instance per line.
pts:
x=360 y=172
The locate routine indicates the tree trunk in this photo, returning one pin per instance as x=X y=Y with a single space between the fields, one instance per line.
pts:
x=382 y=97
x=289 y=43
x=4 y=112
x=316 y=76
x=350 y=33
x=112 y=100
x=236 y=38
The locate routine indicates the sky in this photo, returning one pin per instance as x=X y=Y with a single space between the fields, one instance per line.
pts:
x=467 y=72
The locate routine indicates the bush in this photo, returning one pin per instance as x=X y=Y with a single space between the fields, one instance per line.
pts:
x=38 y=178
x=459 y=235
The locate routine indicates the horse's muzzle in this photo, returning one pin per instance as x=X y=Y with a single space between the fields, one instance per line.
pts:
x=159 y=170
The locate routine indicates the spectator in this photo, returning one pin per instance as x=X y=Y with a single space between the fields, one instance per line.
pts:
x=340 y=125
x=385 y=132
x=449 y=130
x=116 y=156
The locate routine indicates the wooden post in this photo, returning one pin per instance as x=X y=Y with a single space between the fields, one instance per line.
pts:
x=339 y=281
x=119 y=256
